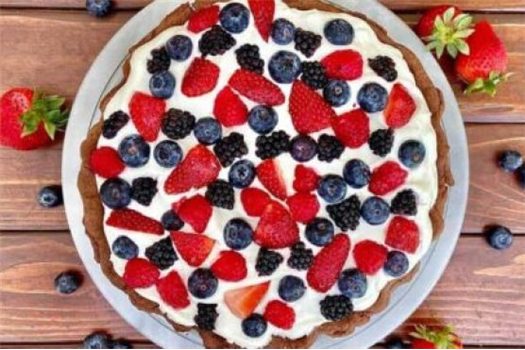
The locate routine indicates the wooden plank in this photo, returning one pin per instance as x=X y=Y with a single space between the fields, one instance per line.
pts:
x=71 y=4
x=73 y=345
x=481 y=293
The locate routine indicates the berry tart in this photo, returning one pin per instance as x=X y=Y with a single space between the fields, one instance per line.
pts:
x=266 y=171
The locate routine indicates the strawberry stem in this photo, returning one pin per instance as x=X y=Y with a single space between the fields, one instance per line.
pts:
x=47 y=110
x=450 y=33
x=489 y=85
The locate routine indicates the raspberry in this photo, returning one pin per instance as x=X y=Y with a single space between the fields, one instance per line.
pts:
x=386 y=178
x=303 y=206
x=352 y=128
x=140 y=273
x=105 y=162
x=369 y=256
x=403 y=234
x=230 y=267
x=306 y=179
x=279 y=314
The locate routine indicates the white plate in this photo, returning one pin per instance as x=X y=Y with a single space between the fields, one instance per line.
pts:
x=405 y=300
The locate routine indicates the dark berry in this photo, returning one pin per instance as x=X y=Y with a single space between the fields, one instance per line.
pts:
x=337 y=92
x=267 y=262
x=98 y=8
x=120 y=344
x=134 y=151
x=67 y=282
x=249 y=58
x=329 y=148
x=254 y=326
x=125 y=248
x=319 y=232
x=262 y=119
x=510 y=161
x=301 y=258
x=375 y=211
x=162 y=85
x=114 y=123
x=384 y=66
x=332 y=188
x=206 y=316
x=202 y=283
x=372 y=98
x=177 y=124
x=396 y=264
x=97 y=340
x=220 y=194
x=168 y=154
x=499 y=237
x=346 y=214
x=314 y=75
x=235 y=18
x=303 y=148
x=307 y=42
x=284 y=67
x=208 y=131
x=238 y=234
x=339 y=32
x=143 y=189
x=356 y=173
x=230 y=148
x=216 y=41
x=336 y=307
x=381 y=141
x=270 y=146
x=171 y=221
x=291 y=288
x=115 y=193
x=283 y=31
x=50 y=196
x=179 y=47
x=352 y=283
x=412 y=153
x=520 y=174
x=396 y=343
x=162 y=254
x=404 y=203
x=160 y=61
x=242 y=174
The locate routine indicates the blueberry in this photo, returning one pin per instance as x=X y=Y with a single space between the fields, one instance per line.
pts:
x=208 y=131
x=499 y=237
x=168 y=154
x=254 y=326
x=303 y=148
x=179 y=47
x=242 y=174
x=339 y=32
x=120 y=344
x=510 y=161
x=412 y=153
x=235 y=18
x=356 y=173
x=520 y=173
x=291 y=288
x=375 y=211
x=162 y=85
x=115 y=193
x=97 y=340
x=50 y=196
x=98 y=8
x=125 y=248
x=238 y=234
x=337 y=92
x=284 y=67
x=396 y=264
x=134 y=151
x=332 y=188
x=202 y=283
x=171 y=221
x=283 y=31
x=262 y=119
x=372 y=98
x=67 y=282
x=319 y=232
x=396 y=343
x=352 y=283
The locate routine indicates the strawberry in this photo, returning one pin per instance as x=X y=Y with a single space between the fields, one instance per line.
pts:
x=484 y=68
x=229 y=108
x=306 y=179
x=200 y=78
x=270 y=175
x=196 y=212
x=400 y=107
x=192 y=248
x=343 y=64
x=369 y=256
x=243 y=301
x=403 y=234
x=254 y=201
x=140 y=273
x=328 y=263
x=276 y=228
x=309 y=110
x=129 y=219
x=105 y=162
x=441 y=338
x=279 y=314
x=352 y=128
x=386 y=178
x=198 y=169
x=256 y=88
x=303 y=206
x=29 y=120
x=203 y=19
x=263 y=12
x=172 y=291
x=147 y=113
x=230 y=267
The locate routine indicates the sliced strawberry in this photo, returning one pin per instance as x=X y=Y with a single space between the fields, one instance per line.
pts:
x=400 y=107
x=370 y=256
x=192 y=248
x=229 y=108
x=263 y=12
x=196 y=212
x=243 y=301
x=403 y=234
x=343 y=64
x=276 y=228
x=105 y=162
x=328 y=263
x=310 y=112
x=140 y=273
x=230 y=267
x=203 y=18
x=386 y=178
x=279 y=314
x=270 y=175
x=303 y=206
x=306 y=179
x=172 y=291
x=352 y=128
x=254 y=201
x=147 y=113
x=200 y=78
x=256 y=87
x=129 y=219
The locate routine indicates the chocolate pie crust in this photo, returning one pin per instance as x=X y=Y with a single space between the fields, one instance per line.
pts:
x=94 y=211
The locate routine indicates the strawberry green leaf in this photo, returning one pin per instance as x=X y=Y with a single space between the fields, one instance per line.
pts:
x=45 y=110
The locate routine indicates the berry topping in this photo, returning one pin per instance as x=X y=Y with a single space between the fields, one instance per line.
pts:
x=276 y=228
x=375 y=211
x=291 y=288
x=303 y=206
x=303 y=148
x=206 y=316
x=125 y=248
x=352 y=283
x=269 y=174
x=314 y=75
x=114 y=124
x=346 y=214
x=220 y=194
x=339 y=32
x=143 y=189
x=343 y=65
x=387 y=178
x=306 y=179
x=499 y=237
x=256 y=88
x=403 y=234
x=284 y=67
x=162 y=254
x=412 y=154
x=307 y=42
x=510 y=160
x=179 y=47
x=329 y=148
x=372 y=98
x=192 y=248
x=370 y=256
x=301 y=258
x=178 y=124
x=203 y=19
x=159 y=62
x=356 y=173
x=262 y=119
x=147 y=112
x=243 y=301
x=279 y=314
x=173 y=291
x=235 y=18
x=67 y=282
x=105 y=162
x=336 y=307
x=207 y=131
x=283 y=31
x=352 y=128
x=200 y=78
x=140 y=273
x=332 y=188
x=238 y=234
x=242 y=174
x=115 y=193
x=216 y=41
x=202 y=283
x=310 y=112
x=328 y=263
x=98 y=8
x=230 y=267
x=254 y=201
x=400 y=107
x=132 y=220
x=263 y=12
x=162 y=85
x=230 y=148
x=196 y=212
x=171 y=221
x=168 y=154
x=384 y=66
x=337 y=92
x=381 y=142
x=396 y=264
x=319 y=232
x=404 y=203
x=134 y=151
x=272 y=145
x=249 y=58
x=254 y=326
x=50 y=196
x=267 y=262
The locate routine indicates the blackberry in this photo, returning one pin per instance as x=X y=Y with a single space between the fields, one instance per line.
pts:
x=271 y=146
x=314 y=75
x=220 y=194
x=307 y=42
x=381 y=141
x=162 y=254
x=267 y=262
x=248 y=58
x=143 y=189
x=114 y=123
x=404 y=203
x=216 y=41
x=384 y=66
x=336 y=307
x=301 y=258
x=229 y=148
x=346 y=214
x=206 y=316
x=159 y=62
x=177 y=124
x=329 y=148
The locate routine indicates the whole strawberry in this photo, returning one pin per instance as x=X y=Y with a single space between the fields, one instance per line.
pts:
x=443 y=338
x=29 y=119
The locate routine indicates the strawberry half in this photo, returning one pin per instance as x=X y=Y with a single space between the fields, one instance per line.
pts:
x=403 y=234
x=309 y=110
x=230 y=267
x=229 y=109
x=386 y=178
x=172 y=291
x=400 y=107
x=343 y=64
x=263 y=12
x=140 y=273
x=439 y=338
x=196 y=212
x=147 y=113
x=303 y=206
x=254 y=201
x=203 y=18
x=243 y=301
x=352 y=128
x=328 y=263
x=370 y=256
x=270 y=175
x=200 y=78
x=276 y=228
x=105 y=162
x=279 y=314
x=256 y=88
x=306 y=179
x=192 y=248
x=129 y=219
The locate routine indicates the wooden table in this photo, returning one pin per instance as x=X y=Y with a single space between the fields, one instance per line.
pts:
x=51 y=44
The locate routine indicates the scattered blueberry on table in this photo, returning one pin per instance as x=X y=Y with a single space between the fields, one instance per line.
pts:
x=99 y=8
x=499 y=237
x=67 y=282
x=50 y=196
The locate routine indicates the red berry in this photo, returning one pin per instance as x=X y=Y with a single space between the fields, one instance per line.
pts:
x=147 y=113
x=256 y=87
x=203 y=19
x=132 y=220
x=229 y=109
x=279 y=314
x=386 y=178
x=105 y=162
x=403 y=234
x=344 y=64
x=192 y=248
x=270 y=175
x=422 y=344
x=254 y=201
x=306 y=179
x=200 y=78
x=310 y=112
x=328 y=263
x=425 y=26
x=263 y=12
x=140 y=273
x=370 y=256
x=172 y=291
x=400 y=107
x=303 y=206
x=276 y=228
x=230 y=267
x=196 y=211
x=352 y=128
